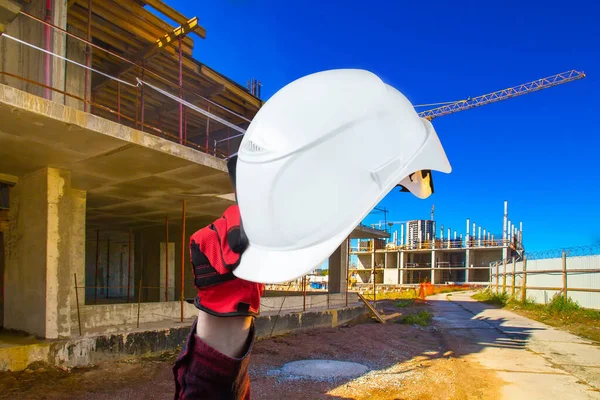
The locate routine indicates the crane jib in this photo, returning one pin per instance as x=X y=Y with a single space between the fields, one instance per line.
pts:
x=504 y=94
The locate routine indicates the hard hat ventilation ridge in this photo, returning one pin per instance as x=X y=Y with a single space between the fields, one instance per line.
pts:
x=252 y=147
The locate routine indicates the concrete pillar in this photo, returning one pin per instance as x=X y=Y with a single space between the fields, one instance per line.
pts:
x=401 y=267
x=433 y=281
x=45 y=245
x=338 y=269
x=373 y=253
x=467 y=264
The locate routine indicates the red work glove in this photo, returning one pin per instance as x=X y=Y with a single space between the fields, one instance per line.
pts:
x=215 y=251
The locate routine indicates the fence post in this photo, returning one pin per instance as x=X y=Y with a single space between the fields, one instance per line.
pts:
x=524 y=281
x=514 y=277
x=504 y=276
x=497 y=277
x=564 y=274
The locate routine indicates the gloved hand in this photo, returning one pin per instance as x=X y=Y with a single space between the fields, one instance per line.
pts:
x=215 y=251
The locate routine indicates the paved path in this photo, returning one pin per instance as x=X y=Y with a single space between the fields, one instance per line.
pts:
x=535 y=360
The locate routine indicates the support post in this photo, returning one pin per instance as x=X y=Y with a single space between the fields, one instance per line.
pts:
x=88 y=51
x=497 y=277
x=139 y=301
x=107 y=266
x=207 y=129
x=96 y=273
x=564 y=274
x=524 y=281
x=137 y=95
x=167 y=259
x=129 y=266
x=77 y=301
x=504 y=276
x=119 y=99
x=401 y=268
x=142 y=93
x=514 y=277
x=347 y=262
x=467 y=264
x=433 y=280
x=180 y=105
x=303 y=292
x=182 y=252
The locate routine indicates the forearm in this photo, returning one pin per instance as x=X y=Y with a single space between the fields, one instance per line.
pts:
x=228 y=335
x=213 y=363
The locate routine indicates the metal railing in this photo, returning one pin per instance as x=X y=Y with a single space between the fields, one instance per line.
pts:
x=143 y=110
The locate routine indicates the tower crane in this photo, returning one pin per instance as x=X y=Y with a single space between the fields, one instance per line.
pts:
x=424 y=178
x=504 y=94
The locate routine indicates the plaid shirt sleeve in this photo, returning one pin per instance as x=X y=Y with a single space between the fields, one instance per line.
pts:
x=201 y=372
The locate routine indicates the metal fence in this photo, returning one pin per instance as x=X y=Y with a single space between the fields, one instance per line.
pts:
x=572 y=272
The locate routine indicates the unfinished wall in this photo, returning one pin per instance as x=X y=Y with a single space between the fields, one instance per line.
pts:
x=450 y=259
x=148 y=264
x=391 y=276
x=75 y=84
x=26 y=62
x=1 y=278
x=111 y=249
x=363 y=261
x=482 y=258
x=338 y=269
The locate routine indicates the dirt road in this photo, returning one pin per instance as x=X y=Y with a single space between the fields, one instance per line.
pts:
x=471 y=351
x=535 y=361
x=405 y=362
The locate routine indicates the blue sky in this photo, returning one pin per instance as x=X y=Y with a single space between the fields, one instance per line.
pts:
x=540 y=151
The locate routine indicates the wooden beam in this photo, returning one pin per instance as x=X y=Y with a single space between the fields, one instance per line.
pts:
x=173 y=14
x=230 y=86
x=138 y=9
x=70 y=3
x=153 y=49
x=372 y=308
x=171 y=37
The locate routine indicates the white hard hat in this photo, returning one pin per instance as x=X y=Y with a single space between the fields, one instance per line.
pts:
x=316 y=159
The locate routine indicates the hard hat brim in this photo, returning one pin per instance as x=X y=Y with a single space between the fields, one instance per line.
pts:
x=283 y=266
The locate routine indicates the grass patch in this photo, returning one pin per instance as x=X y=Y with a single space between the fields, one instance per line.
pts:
x=403 y=303
x=422 y=318
x=496 y=299
x=414 y=293
x=560 y=313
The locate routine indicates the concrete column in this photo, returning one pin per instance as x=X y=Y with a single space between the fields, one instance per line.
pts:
x=373 y=253
x=338 y=269
x=467 y=265
x=433 y=266
x=401 y=267
x=45 y=245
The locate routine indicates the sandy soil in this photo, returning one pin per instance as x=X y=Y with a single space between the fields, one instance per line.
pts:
x=405 y=362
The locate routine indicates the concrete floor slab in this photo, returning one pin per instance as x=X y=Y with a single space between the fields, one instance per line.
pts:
x=120 y=165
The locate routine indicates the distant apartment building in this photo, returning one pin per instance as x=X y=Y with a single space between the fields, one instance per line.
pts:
x=420 y=231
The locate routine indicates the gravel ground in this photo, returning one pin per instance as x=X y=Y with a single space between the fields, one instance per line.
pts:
x=404 y=362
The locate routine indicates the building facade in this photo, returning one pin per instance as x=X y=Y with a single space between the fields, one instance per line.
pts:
x=443 y=259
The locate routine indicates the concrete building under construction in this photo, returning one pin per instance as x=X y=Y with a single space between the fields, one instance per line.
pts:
x=423 y=256
x=112 y=148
